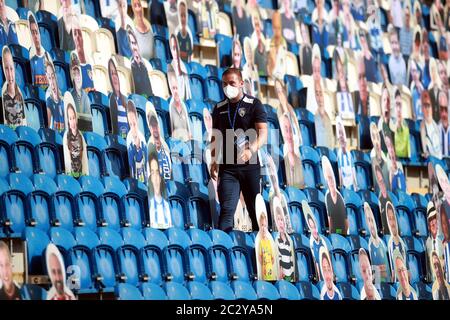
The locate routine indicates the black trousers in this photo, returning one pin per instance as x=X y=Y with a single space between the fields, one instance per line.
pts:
x=231 y=182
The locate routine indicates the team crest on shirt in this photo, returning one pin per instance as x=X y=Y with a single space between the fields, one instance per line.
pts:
x=242 y=112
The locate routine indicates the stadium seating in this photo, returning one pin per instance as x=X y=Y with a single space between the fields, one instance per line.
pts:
x=101 y=221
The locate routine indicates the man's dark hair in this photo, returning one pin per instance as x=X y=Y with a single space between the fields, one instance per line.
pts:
x=397 y=93
x=153 y=122
x=232 y=70
x=31 y=19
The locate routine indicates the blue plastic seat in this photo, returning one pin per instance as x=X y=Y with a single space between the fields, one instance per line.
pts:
x=197 y=75
x=32 y=292
x=65 y=213
x=287 y=290
x=34 y=98
x=24 y=150
x=133 y=237
x=61 y=65
x=37 y=242
x=420 y=214
x=307 y=127
x=63 y=239
x=198 y=208
x=295 y=197
x=176 y=291
x=14 y=205
x=151 y=291
x=243 y=290
x=47 y=152
x=95 y=147
x=105 y=266
x=129 y=264
x=405 y=218
x=125 y=291
x=99 y=110
x=310 y=162
x=111 y=202
x=87 y=201
x=7 y=138
x=224 y=45
x=199 y=291
x=21 y=61
x=84 y=236
x=354 y=208
x=40 y=202
x=110 y=237
x=178 y=196
x=221 y=291
x=114 y=156
x=307 y=291
x=48 y=28
x=266 y=291
x=348 y=291
x=363 y=169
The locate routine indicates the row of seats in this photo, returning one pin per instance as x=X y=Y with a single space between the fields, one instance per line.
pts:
x=42 y=202
x=193 y=258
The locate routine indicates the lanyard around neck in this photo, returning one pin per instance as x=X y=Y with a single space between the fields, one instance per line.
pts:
x=235 y=112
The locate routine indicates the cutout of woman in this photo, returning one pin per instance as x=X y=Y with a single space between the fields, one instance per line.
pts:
x=12 y=98
x=395 y=242
x=286 y=257
x=54 y=99
x=143 y=30
x=160 y=217
x=236 y=54
x=157 y=143
x=184 y=88
x=337 y=213
x=250 y=69
x=136 y=146
x=405 y=291
x=377 y=249
x=329 y=290
x=368 y=290
x=75 y=148
x=316 y=240
x=184 y=33
x=265 y=249
x=117 y=103
x=291 y=154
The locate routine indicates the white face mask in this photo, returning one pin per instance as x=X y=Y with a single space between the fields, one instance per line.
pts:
x=231 y=92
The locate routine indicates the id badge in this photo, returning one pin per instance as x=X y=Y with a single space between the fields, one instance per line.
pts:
x=241 y=142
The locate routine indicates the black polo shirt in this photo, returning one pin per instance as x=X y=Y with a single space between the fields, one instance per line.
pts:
x=245 y=114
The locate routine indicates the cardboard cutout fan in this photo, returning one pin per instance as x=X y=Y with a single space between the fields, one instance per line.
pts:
x=265 y=249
